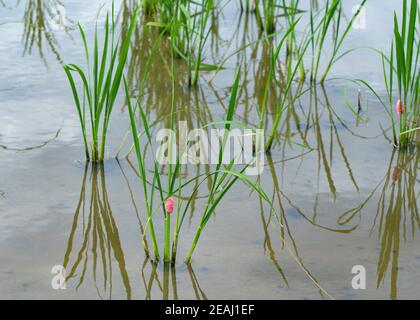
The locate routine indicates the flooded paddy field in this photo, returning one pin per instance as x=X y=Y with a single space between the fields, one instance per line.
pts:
x=339 y=193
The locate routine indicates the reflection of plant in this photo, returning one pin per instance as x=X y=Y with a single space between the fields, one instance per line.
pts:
x=397 y=205
x=100 y=243
x=286 y=233
x=307 y=128
x=99 y=231
x=39 y=14
x=168 y=282
x=397 y=208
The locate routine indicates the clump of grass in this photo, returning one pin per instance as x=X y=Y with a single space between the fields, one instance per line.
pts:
x=267 y=19
x=403 y=63
x=332 y=15
x=187 y=25
x=248 y=6
x=268 y=11
x=404 y=59
x=189 y=35
x=100 y=83
x=292 y=65
x=156 y=192
x=149 y=6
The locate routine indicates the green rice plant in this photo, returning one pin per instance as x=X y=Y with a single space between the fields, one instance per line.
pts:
x=267 y=19
x=403 y=63
x=221 y=180
x=149 y=6
x=293 y=64
x=331 y=16
x=407 y=71
x=202 y=36
x=315 y=39
x=100 y=84
x=167 y=12
x=220 y=184
x=268 y=11
x=248 y=6
x=187 y=24
x=291 y=11
x=188 y=29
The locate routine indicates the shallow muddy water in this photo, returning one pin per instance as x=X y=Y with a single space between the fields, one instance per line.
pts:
x=350 y=199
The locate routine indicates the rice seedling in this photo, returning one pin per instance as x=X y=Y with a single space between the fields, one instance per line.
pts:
x=320 y=26
x=267 y=12
x=289 y=76
x=291 y=12
x=100 y=84
x=221 y=181
x=187 y=25
x=403 y=63
x=267 y=19
x=202 y=34
x=149 y=6
x=248 y=6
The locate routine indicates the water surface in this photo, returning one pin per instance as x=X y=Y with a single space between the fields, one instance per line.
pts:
x=349 y=200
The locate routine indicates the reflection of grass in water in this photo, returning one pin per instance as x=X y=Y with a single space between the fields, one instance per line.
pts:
x=37 y=27
x=101 y=239
x=101 y=245
x=300 y=126
x=397 y=208
x=279 y=198
x=169 y=281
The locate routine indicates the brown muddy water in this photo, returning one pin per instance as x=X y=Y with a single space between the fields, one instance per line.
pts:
x=349 y=200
